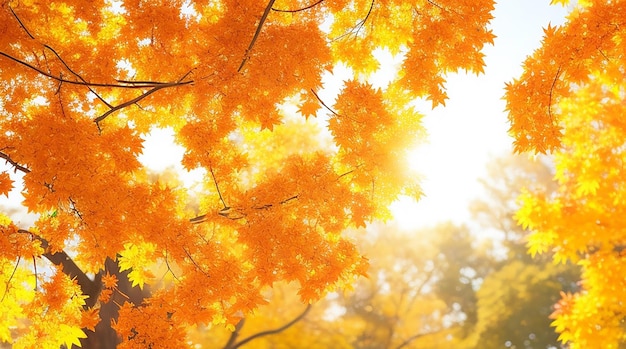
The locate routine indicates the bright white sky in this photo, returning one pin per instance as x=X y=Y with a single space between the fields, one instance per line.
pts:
x=472 y=128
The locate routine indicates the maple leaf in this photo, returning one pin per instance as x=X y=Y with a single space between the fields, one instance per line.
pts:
x=109 y=281
x=70 y=335
x=137 y=257
x=272 y=206
x=90 y=318
x=6 y=184
x=309 y=108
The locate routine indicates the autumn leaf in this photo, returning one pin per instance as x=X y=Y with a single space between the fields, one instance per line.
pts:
x=136 y=258
x=236 y=83
x=70 y=335
x=6 y=184
x=109 y=281
x=567 y=102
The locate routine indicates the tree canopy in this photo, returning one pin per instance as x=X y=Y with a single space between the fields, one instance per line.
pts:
x=443 y=286
x=120 y=256
x=570 y=101
x=83 y=82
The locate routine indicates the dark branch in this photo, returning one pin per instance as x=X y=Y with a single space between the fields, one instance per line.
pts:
x=13 y=163
x=300 y=9
x=274 y=331
x=235 y=214
x=355 y=30
x=127 y=103
x=235 y=334
x=324 y=104
x=122 y=84
x=198 y=219
x=135 y=100
x=75 y=74
x=6 y=288
x=21 y=24
x=218 y=189
x=556 y=77
x=416 y=336
x=268 y=8
x=196 y=264
x=89 y=288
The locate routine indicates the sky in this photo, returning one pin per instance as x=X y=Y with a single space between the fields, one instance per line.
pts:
x=472 y=128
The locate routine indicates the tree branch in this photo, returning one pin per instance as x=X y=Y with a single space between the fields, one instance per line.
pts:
x=355 y=30
x=121 y=83
x=127 y=103
x=13 y=163
x=324 y=104
x=300 y=9
x=6 y=288
x=20 y=22
x=416 y=336
x=268 y=8
x=70 y=268
x=556 y=77
x=233 y=336
x=274 y=331
x=77 y=75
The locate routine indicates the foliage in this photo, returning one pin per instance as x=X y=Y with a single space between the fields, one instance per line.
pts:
x=570 y=99
x=397 y=306
x=84 y=82
x=517 y=294
x=431 y=288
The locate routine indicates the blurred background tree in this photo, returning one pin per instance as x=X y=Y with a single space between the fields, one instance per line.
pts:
x=516 y=298
x=448 y=286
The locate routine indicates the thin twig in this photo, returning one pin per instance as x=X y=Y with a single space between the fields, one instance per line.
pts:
x=168 y=266
x=35 y=270
x=127 y=103
x=76 y=74
x=13 y=163
x=6 y=289
x=324 y=104
x=127 y=84
x=355 y=30
x=267 y=206
x=218 y=188
x=268 y=8
x=21 y=24
x=289 y=199
x=196 y=264
x=556 y=77
x=418 y=335
x=349 y=172
x=300 y=9
x=362 y=23
x=274 y=331
x=436 y=5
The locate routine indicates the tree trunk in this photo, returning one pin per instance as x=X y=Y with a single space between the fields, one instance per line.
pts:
x=105 y=337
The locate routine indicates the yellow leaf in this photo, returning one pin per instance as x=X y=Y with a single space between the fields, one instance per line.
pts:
x=138 y=258
x=70 y=335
